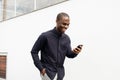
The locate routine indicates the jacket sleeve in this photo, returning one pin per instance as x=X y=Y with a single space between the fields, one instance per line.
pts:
x=35 y=50
x=70 y=53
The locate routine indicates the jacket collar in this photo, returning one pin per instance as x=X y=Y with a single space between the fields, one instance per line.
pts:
x=57 y=33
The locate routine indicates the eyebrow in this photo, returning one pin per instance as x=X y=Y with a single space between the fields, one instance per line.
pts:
x=66 y=23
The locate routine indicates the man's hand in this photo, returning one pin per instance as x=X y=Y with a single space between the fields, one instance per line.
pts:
x=43 y=71
x=78 y=49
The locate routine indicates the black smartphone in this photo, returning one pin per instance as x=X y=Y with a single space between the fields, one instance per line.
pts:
x=80 y=46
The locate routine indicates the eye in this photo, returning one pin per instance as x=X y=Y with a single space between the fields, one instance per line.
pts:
x=65 y=24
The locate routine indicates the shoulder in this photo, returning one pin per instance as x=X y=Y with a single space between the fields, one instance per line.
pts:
x=66 y=36
x=47 y=33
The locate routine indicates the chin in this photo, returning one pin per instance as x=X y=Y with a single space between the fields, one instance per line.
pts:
x=63 y=32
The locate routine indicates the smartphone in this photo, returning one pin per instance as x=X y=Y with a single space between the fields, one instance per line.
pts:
x=80 y=46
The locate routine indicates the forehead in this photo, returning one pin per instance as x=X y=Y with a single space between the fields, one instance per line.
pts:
x=65 y=18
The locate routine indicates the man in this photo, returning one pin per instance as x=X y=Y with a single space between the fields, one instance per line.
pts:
x=54 y=46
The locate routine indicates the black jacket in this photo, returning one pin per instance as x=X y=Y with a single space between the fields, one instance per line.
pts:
x=54 y=47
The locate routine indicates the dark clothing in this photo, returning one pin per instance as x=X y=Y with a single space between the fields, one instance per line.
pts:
x=54 y=47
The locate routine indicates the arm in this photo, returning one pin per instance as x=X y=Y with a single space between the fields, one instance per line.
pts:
x=78 y=49
x=73 y=53
x=39 y=44
x=70 y=53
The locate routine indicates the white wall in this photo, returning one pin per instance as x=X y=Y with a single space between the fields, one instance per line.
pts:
x=94 y=23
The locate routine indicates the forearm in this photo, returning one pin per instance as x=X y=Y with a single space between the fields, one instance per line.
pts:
x=35 y=50
x=36 y=60
x=71 y=54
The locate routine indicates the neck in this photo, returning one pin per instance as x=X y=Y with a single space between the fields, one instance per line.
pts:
x=57 y=29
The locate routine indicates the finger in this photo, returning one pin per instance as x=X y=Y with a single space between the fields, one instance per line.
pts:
x=74 y=50
x=78 y=49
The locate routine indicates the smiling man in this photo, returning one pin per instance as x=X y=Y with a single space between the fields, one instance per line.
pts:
x=54 y=45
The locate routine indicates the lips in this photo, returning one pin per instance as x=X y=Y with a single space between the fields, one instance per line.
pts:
x=63 y=30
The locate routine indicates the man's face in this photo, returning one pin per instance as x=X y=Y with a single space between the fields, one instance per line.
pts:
x=63 y=24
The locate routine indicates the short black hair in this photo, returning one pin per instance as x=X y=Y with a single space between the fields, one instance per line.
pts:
x=62 y=14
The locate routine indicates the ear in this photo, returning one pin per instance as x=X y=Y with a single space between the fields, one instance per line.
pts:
x=56 y=20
